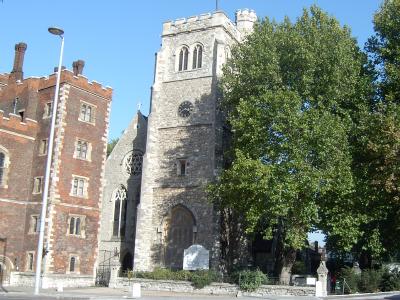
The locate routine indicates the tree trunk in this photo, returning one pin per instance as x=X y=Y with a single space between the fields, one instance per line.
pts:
x=283 y=264
x=284 y=257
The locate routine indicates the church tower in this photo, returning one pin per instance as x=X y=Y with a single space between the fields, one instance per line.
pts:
x=184 y=140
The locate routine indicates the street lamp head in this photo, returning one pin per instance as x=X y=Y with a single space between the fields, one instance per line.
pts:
x=56 y=31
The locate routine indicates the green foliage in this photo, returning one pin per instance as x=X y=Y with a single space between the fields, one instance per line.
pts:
x=299 y=267
x=165 y=274
x=202 y=278
x=249 y=280
x=370 y=281
x=293 y=92
x=390 y=280
x=199 y=278
x=111 y=145
x=351 y=278
x=384 y=49
x=377 y=143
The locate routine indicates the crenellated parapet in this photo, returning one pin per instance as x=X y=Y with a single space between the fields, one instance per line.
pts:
x=245 y=19
x=14 y=123
x=200 y=22
x=79 y=81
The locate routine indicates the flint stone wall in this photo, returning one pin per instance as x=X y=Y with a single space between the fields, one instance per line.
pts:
x=212 y=289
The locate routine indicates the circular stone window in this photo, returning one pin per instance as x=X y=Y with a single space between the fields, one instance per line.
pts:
x=133 y=163
x=185 y=109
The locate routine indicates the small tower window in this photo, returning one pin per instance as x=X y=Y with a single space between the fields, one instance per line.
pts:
x=183 y=59
x=197 y=57
x=182 y=165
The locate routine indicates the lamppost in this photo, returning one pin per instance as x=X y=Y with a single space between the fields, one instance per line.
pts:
x=59 y=32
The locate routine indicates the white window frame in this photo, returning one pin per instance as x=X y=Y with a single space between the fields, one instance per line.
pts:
x=76 y=264
x=4 y=168
x=43 y=146
x=78 y=149
x=79 y=186
x=30 y=261
x=37 y=185
x=84 y=115
x=34 y=224
x=48 y=109
x=82 y=222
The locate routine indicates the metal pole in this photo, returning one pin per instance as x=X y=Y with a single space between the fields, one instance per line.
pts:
x=39 y=256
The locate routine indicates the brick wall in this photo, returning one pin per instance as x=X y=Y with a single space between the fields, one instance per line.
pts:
x=20 y=139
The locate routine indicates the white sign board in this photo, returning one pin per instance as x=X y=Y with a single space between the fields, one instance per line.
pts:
x=311 y=280
x=196 y=257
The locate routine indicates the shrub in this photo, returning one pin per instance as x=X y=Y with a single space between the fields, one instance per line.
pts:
x=201 y=278
x=249 y=280
x=352 y=279
x=370 y=280
x=390 y=280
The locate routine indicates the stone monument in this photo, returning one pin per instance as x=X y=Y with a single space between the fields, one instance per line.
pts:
x=321 y=285
x=196 y=257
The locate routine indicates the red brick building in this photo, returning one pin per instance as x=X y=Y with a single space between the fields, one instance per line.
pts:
x=77 y=172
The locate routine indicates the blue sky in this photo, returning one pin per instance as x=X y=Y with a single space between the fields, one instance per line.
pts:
x=118 y=39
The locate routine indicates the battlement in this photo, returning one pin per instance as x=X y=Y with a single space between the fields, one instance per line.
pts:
x=245 y=20
x=14 y=123
x=200 y=22
x=81 y=81
x=246 y=15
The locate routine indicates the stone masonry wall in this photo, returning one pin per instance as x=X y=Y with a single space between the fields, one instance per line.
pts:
x=171 y=137
x=133 y=139
x=213 y=289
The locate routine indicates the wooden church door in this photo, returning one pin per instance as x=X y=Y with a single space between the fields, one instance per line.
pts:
x=178 y=231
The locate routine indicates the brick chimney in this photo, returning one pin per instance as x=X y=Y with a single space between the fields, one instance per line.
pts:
x=56 y=69
x=17 y=73
x=77 y=67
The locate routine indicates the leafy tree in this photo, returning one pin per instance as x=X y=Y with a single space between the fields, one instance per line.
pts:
x=111 y=145
x=378 y=159
x=293 y=93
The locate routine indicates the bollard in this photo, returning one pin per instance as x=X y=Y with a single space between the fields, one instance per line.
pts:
x=60 y=287
x=136 y=293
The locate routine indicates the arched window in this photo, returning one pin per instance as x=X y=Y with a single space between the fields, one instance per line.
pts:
x=120 y=205
x=197 y=57
x=2 y=167
x=183 y=59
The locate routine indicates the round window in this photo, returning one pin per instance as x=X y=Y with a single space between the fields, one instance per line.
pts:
x=185 y=109
x=133 y=163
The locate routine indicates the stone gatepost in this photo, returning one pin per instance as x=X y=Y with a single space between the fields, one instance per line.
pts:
x=321 y=285
x=113 y=277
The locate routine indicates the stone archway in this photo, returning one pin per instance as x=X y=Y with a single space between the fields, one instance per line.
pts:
x=6 y=266
x=127 y=262
x=178 y=235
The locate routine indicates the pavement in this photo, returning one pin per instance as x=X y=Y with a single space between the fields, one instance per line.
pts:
x=105 y=293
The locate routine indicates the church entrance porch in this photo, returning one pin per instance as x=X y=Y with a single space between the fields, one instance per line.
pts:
x=178 y=234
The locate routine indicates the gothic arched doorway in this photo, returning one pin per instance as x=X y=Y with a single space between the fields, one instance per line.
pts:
x=127 y=262
x=178 y=235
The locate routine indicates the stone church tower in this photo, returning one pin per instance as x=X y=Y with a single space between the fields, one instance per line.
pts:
x=183 y=151
x=184 y=142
